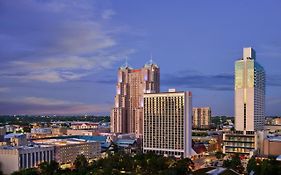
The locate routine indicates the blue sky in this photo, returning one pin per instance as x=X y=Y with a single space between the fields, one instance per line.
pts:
x=61 y=56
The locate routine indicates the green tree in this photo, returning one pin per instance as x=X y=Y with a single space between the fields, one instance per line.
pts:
x=183 y=166
x=219 y=155
x=30 y=171
x=234 y=163
x=49 y=168
x=81 y=164
x=252 y=165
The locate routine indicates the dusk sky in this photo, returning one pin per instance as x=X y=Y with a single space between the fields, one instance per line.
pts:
x=61 y=56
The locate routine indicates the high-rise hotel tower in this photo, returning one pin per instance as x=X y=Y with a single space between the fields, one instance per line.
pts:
x=168 y=123
x=249 y=106
x=127 y=113
x=249 y=93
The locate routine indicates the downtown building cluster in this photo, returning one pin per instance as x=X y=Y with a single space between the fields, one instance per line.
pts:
x=162 y=120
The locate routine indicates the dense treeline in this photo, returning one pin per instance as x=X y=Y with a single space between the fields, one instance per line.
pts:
x=118 y=163
x=264 y=167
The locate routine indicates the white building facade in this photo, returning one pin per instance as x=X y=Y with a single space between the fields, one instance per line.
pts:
x=168 y=123
x=16 y=158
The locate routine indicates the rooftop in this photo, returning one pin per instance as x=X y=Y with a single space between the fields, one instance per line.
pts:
x=60 y=142
x=274 y=138
x=12 y=135
x=24 y=147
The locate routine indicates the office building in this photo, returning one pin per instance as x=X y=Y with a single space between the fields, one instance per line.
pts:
x=249 y=106
x=201 y=118
x=15 y=158
x=168 y=123
x=249 y=93
x=127 y=114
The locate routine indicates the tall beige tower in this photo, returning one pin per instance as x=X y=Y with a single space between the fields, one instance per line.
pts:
x=201 y=118
x=249 y=93
x=127 y=113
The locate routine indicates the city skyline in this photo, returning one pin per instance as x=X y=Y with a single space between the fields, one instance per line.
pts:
x=61 y=57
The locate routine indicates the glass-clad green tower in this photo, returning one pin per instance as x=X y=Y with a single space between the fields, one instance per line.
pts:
x=249 y=93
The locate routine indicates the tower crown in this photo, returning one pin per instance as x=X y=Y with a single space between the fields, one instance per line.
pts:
x=151 y=63
x=249 y=53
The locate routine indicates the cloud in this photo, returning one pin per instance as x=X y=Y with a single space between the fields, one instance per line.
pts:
x=45 y=102
x=210 y=82
x=4 y=89
x=56 y=41
x=39 y=105
x=60 y=69
x=108 y=13
x=218 y=82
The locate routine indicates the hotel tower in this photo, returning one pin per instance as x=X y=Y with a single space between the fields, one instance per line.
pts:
x=168 y=123
x=249 y=93
x=127 y=113
x=249 y=107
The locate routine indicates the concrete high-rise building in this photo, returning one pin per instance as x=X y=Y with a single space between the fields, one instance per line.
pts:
x=249 y=106
x=127 y=114
x=249 y=93
x=201 y=118
x=168 y=123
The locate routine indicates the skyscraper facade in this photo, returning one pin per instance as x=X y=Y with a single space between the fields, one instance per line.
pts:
x=201 y=118
x=249 y=106
x=127 y=113
x=249 y=93
x=168 y=123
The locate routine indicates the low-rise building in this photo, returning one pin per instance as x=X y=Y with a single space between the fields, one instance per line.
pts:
x=273 y=128
x=242 y=142
x=15 y=139
x=10 y=128
x=66 y=150
x=41 y=130
x=59 y=131
x=272 y=146
x=14 y=158
x=81 y=132
x=84 y=125
x=2 y=133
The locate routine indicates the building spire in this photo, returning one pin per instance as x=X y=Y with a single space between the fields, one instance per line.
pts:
x=126 y=61
x=126 y=64
x=151 y=60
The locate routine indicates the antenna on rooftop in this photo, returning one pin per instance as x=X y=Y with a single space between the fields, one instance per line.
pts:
x=126 y=62
x=151 y=61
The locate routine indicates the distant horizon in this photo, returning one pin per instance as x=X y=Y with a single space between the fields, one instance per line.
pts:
x=61 y=57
